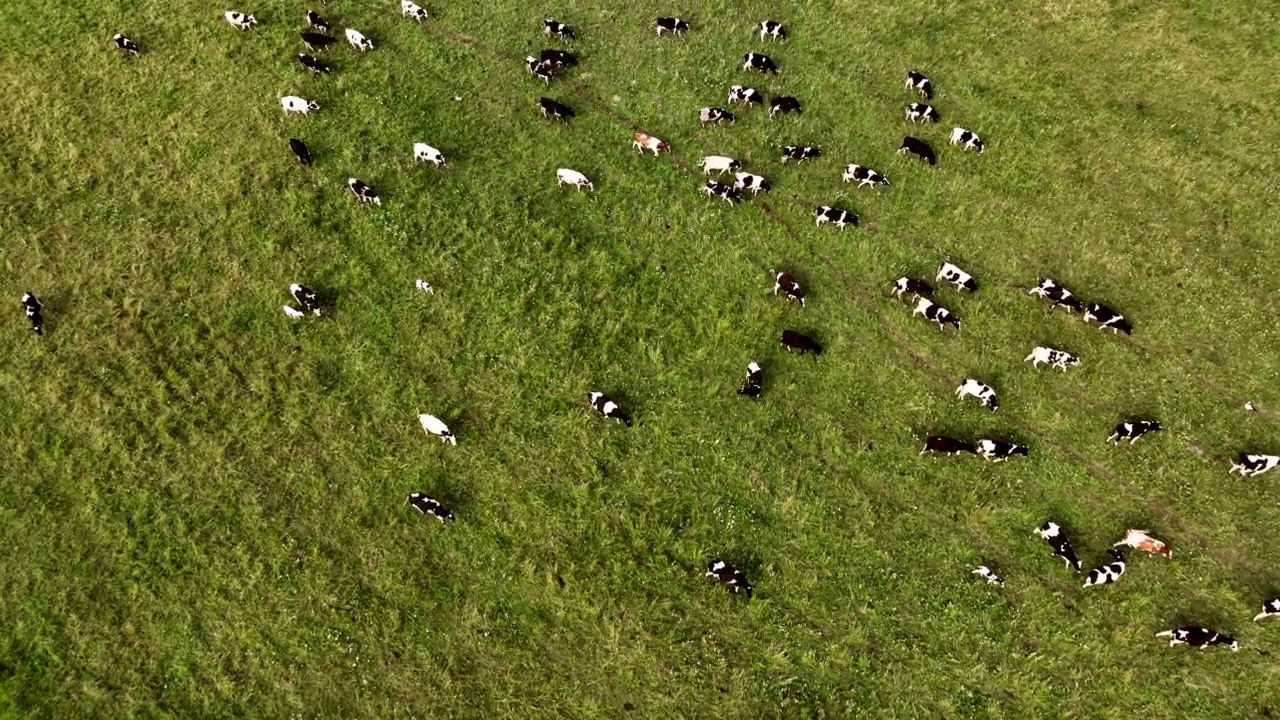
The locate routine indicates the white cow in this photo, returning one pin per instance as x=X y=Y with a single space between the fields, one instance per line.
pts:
x=239 y=19
x=573 y=177
x=425 y=153
x=435 y=426
x=409 y=9
x=720 y=164
x=295 y=104
x=358 y=41
x=1055 y=358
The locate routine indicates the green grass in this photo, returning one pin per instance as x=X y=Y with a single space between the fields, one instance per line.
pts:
x=203 y=512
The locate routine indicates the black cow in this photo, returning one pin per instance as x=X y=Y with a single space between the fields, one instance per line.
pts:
x=539 y=69
x=756 y=61
x=1131 y=430
x=675 y=26
x=317 y=22
x=911 y=286
x=558 y=58
x=429 y=506
x=772 y=29
x=35 y=312
x=732 y=577
x=125 y=44
x=800 y=153
x=999 y=450
x=787 y=283
x=714 y=188
x=363 y=193
x=1107 y=319
x=792 y=339
x=1198 y=637
x=919 y=148
x=752 y=386
x=1057 y=540
x=317 y=41
x=607 y=407
x=312 y=64
x=552 y=109
x=306 y=297
x=920 y=83
x=300 y=151
x=558 y=29
x=784 y=104
x=947 y=446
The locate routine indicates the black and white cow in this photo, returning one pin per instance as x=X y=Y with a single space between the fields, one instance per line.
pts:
x=719 y=164
x=835 y=216
x=970 y=140
x=239 y=20
x=947 y=446
x=1249 y=464
x=558 y=58
x=1107 y=319
x=744 y=95
x=363 y=193
x=714 y=188
x=987 y=574
x=754 y=183
x=35 y=312
x=793 y=340
x=295 y=104
x=920 y=83
x=772 y=29
x=1270 y=608
x=411 y=10
x=1107 y=573
x=429 y=506
x=732 y=577
x=554 y=27
x=1131 y=430
x=306 y=297
x=605 y=405
x=1198 y=637
x=1050 y=290
x=541 y=70
x=756 y=61
x=754 y=383
x=789 y=285
x=317 y=22
x=554 y=110
x=919 y=112
x=863 y=175
x=312 y=64
x=1060 y=359
x=911 y=286
x=675 y=26
x=935 y=312
x=125 y=44
x=317 y=41
x=358 y=40
x=980 y=390
x=300 y=151
x=800 y=153
x=950 y=273
x=1057 y=540
x=714 y=115
x=433 y=425
x=999 y=450
x=784 y=104
x=919 y=148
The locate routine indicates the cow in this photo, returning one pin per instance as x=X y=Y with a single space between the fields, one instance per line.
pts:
x=317 y=22
x=718 y=189
x=863 y=175
x=792 y=339
x=125 y=44
x=752 y=386
x=911 y=286
x=731 y=576
x=293 y=313
x=935 y=312
x=950 y=273
x=317 y=41
x=714 y=115
x=306 y=297
x=300 y=151
x=410 y=9
x=1108 y=573
x=541 y=70
x=558 y=58
x=720 y=164
x=756 y=61
x=772 y=29
x=1131 y=430
x=1270 y=608
x=1140 y=540
x=239 y=20
x=358 y=41
x=35 y=312
x=980 y=390
x=754 y=183
x=744 y=95
x=920 y=83
x=784 y=104
x=1050 y=290
x=1250 y=465
x=423 y=152
x=424 y=286
x=673 y=25
x=605 y=405
x=312 y=64
x=1060 y=359
x=429 y=506
x=1107 y=319
x=1198 y=637
x=919 y=148
x=835 y=216
x=800 y=153
x=554 y=27
x=645 y=141
x=573 y=177
x=999 y=450
x=919 y=112
x=363 y=193
x=787 y=283
x=947 y=446
x=960 y=136
x=985 y=573
x=295 y=104
x=1057 y=540
x=433 y=425
x=554 y=110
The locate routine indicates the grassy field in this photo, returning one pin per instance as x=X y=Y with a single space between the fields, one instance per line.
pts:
x=203 y=513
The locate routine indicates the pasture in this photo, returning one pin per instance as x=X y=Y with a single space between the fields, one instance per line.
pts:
x=204 y=506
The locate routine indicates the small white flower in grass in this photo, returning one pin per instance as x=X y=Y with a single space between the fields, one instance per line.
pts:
x=424 y=286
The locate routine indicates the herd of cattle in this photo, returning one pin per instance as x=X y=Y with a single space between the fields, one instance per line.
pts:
x=550 y=62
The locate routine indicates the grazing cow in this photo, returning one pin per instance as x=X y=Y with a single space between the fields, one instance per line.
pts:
x=239 y=20
x=293 y=313
x=363 y=193
x=433 y=425
x=317 y=22
x=558 y=58
x=799 y=153
x=911 y=286
x=317 y=41
x=919 y=148
x=787 y=283
x=429 y=506
x=1107 y=319
x=300 y=151
x=980 y=390
x=423 y=152
x=720 y=190
x=306 y=297
x=1057 y=540
x=772 y=29
x=295 y=104
x=784 y=104
x=552 y=109
x=754 y=183
x=754 y=383
x=756 y=61
x=714 y=115
x=1050 y=290
x=557 y=28
x=950 y=273
x=424 y=286
x=864 y=175
x=1055 y=358
x=960 y=136
x=645 y=141
x=1250 y=465
x=799 y=341
x=675 y=26
x=999 y=450
x=1131 y=430
x=574 y=178
x=985 y=573
x=720 y=164
x=541 y=70
x=125 y=44
x=358 y=41
x=919 y=112
x=920 y=83
x=731 y=576
x=1140 y=540
x=312 y=64
x=947 y=446
x=937 y=313
x=1270 y=608
x=410 y=10
x=1198 y=637
x=35 y=312
x=607 y=407
x=835 y=216
x=744 y=95
x=1108 y=573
